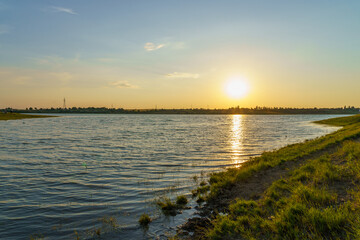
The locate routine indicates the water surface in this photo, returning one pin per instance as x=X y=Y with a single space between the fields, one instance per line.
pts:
x=84 y=172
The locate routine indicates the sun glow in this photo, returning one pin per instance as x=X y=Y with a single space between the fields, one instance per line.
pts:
x=237 y=87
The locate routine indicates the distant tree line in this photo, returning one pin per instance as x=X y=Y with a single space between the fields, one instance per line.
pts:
x=233 y=110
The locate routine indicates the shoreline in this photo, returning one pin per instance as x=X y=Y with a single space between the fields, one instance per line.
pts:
x=276 y=196
x=17 y=116
x=176 y=113
x=208 y=111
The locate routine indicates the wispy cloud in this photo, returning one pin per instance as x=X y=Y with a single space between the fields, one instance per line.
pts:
x=122 y=84
x=182 y=75
x=152 y=47
x=62 y=9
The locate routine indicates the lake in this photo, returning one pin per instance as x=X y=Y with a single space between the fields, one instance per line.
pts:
x=84 y=175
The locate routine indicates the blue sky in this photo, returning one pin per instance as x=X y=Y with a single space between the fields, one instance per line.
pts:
x=138 y=54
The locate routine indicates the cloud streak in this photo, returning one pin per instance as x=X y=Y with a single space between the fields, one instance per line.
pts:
x=182 y=75
x=152 y=47
x=122 y=84
x=62 y=9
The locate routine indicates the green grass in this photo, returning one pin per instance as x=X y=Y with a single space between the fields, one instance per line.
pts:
x=15 y=116
x=298 y=209
x=169 y=207
x=166 y=204
x=318 y=200
x=341 y=121
x=201 y=199
x=203 y=189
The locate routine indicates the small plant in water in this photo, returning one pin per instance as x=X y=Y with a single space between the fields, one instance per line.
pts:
x=98 y=231
x=194 y=193
x=144 y=219
x=181 y=200
x=109 y=222
x=76 y=235
x=166 y=204
x=200 y=199
x=170 y=208
x=203 y=189
x=202 y=183
x=36 y=236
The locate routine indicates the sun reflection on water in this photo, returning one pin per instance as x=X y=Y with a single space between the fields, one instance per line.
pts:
x=236 y=140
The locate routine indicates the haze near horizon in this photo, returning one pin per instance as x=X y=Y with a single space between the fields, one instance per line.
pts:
x=179 y=54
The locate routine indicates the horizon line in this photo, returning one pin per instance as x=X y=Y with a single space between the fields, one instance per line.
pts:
x=186 y=108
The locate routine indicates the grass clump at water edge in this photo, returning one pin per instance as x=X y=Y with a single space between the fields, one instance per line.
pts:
x=144 y=219
x=181 y=200
x=169 y=207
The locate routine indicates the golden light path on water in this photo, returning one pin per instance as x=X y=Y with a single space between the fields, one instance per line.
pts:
x=237 y=132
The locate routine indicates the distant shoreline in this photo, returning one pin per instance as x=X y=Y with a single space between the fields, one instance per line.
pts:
x=230 y=111
x=16 y=116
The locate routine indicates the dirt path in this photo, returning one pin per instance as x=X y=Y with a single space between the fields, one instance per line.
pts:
x=256 y=185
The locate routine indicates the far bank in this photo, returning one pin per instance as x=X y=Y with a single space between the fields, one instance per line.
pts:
x=214 y=111
x=16 y=116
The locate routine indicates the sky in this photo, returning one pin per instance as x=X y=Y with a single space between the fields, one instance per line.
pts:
x=179 y=53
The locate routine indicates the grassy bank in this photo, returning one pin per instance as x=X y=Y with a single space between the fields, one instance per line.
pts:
x=308 y=190
x=15 y=116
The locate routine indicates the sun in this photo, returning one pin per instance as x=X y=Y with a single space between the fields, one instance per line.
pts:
x=237 y=87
